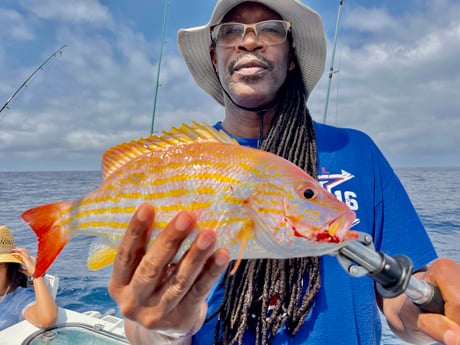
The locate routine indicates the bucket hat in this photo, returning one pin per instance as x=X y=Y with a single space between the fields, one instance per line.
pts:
x=6 y=244
x=308 y=39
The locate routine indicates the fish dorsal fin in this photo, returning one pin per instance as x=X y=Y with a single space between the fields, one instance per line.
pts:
x=119 y=155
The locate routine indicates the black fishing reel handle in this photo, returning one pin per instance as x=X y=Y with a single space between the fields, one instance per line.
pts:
x=394 y=276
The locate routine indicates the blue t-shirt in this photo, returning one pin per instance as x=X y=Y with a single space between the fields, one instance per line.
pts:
x=14 y=305
x=356 y=172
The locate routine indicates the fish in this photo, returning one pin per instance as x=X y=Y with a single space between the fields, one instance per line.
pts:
x=259 y=204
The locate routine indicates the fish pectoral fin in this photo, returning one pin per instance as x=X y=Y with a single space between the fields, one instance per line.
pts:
x=244 y=236
x=101 y=257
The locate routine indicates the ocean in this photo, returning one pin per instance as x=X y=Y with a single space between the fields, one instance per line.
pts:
x=435 y=193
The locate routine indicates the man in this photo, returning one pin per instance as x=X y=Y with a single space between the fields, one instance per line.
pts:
x=261 y=60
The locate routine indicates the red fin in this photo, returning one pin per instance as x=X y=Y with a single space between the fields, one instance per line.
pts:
x=51 y=237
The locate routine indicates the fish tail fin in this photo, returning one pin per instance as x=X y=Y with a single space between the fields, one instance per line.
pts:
x=51 y=236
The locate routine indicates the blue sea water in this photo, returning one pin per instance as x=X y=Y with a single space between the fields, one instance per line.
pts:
x=435 y=193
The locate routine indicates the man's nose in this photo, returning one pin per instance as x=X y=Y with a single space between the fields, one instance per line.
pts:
x=250 y=39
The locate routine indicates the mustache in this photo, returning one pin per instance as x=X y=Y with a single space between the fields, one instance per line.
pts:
x=268 y=63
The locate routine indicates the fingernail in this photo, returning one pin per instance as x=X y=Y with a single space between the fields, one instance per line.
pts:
x=451 y=338
x=204 y=241
x=142 y=214
x=183 y=221
x=221 y=259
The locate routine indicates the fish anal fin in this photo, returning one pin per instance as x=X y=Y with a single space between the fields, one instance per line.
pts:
x=101 y=257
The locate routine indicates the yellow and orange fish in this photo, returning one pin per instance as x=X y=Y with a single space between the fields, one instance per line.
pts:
x=261 y=205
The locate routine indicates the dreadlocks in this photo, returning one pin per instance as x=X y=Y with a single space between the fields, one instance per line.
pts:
x=261 y=283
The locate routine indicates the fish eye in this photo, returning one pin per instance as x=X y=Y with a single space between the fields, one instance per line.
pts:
x=309 y=193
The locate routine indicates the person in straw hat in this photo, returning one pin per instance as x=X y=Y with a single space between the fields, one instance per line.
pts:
x=261 y=60
x=17 y=302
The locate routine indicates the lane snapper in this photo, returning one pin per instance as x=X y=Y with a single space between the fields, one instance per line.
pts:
x=261 y=205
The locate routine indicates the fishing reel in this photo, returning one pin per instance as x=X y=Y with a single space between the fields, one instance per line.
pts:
x=391 y=274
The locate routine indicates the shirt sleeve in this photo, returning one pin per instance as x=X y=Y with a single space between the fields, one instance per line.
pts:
x=27 y=297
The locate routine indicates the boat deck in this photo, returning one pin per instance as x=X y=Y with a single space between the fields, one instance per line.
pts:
x=90 y=327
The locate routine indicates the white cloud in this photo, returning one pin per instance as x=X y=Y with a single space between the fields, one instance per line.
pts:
x=400 y=91
x=398 y=82
x=369 y=20
x=17 y=25
x=78 y=12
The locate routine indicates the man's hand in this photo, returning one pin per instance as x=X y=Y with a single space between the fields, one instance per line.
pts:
x=159 y=295
x=445 y=274
x=410 y=324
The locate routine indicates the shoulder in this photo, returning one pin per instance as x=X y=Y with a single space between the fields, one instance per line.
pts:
x=340 y=135
x=349 y=144
x=19 y=300
x=24 y=296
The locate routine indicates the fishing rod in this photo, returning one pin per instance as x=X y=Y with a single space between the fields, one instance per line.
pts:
x=24 y=84
x=331 y=70
x=393 y=275
x=157 y=83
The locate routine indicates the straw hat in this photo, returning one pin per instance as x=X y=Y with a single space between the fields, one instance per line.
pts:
x=307 y=31
x=6 y=244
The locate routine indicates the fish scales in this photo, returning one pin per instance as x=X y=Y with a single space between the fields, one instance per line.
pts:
x=254 y=200
x=167 y=192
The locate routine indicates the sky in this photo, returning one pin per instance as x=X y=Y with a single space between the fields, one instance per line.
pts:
x=397 y=77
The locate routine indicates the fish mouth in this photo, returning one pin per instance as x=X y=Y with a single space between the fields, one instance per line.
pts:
x=338 y=228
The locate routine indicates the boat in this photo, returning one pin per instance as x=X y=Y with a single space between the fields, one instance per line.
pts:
x=89 y=327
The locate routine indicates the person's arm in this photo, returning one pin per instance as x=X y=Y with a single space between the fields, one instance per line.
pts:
x=162 y=302
x=44 y=312
x=410 y=324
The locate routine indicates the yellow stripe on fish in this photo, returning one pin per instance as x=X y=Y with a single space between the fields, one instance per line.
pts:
x=260 y=205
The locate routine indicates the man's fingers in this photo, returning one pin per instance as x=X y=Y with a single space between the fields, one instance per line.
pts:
x=132 y=246
x=214 y=268
x=438 y=326
x=189 y=267
x=154 y=265
x=445 y=273
x=152 y=289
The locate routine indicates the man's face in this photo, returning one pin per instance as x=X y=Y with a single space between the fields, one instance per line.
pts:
x=251 y=72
